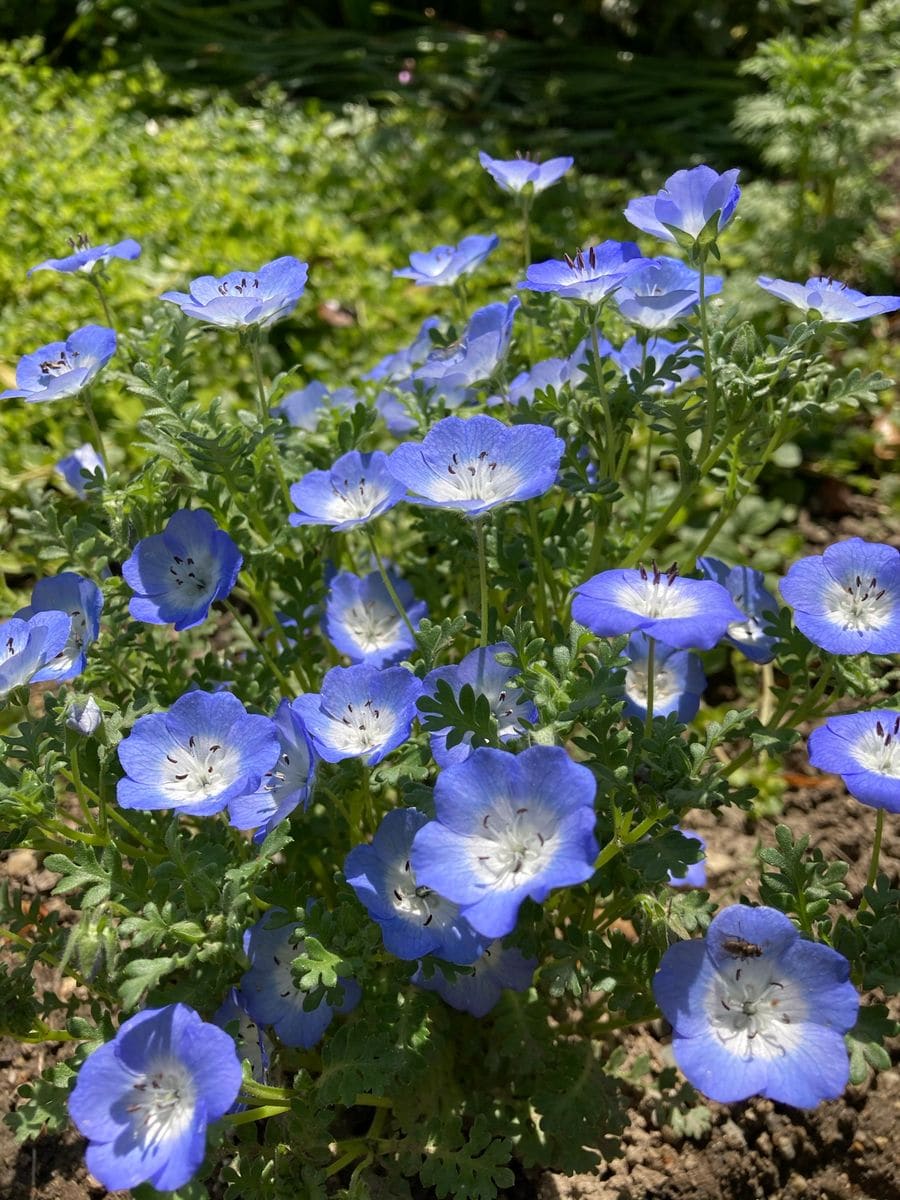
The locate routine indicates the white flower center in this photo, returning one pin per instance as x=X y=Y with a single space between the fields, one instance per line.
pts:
x=62 y=365
x=353 y=499
x=752 y=1012
x=657 y=595
x=191 y=577
x=665 y=684
x=12 y=646
x=359 y=728
x=878 y=750
x=290 y=773
x=478 y=478
x=162 y=1102
x=512 y=846
x=416 y=903
x=859 y=605
x=372 y=625
x=199 y=770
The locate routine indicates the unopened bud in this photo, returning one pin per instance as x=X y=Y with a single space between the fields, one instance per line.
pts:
x=84 y=716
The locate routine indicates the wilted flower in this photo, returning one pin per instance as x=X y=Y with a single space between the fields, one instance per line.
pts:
x=519 y=174
x=864 y=749
x=243 y=298
x=834 y=301
x=84 y=256
x=63 y=368
x=477 y=990
x=361 y=712
x=83 y=601
x=355 y=489
x=687 y=204
x=444 y=265
x=589 y=277
x=80 y=463
x=27 y=646
x=748 y=590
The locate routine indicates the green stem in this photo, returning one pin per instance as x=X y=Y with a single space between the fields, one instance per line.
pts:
x=648 y=476
x=98 y=436
x=98 y=288
x=79 y=785
x=260 y=648
x=872 y=877
x=256 y=1114
x=482 y=574
x=542 y=614
x=610 y=449
x=263 y=412
x=386 y=580
x=651 y=683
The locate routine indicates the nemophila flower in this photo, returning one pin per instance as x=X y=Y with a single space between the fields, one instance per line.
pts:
x=395 y=414
x=205 y=751
x=84 y=716
x=686 y=204
x=476 y=464
x=144 y=1100
x=415 y=920
x=834 y=301
x=589 y=277
x=681 y=612
x=243 y=298
x=477 y=356
x=270 y=995
x=521 y=174
x=401 y=363
x=632 y=356
x=489 y=678
x=477 y=990
x=177 y=574
x=357 y=488
x=748 y=590
x=288 y=782
x=84 y=256
x=444 y=265
x=678 y=680
x=848 y=599
x=305 y=407
x=508 y=827
x=864 y=749
x=27 y=646
x=695 y=875
x=63 y=368
x=251 y=1042
x=78 y=465
x=362 y=712
x=656 y=294
x=362 y=621
x=757 y=1010
x=556 y=373
x=82 y=600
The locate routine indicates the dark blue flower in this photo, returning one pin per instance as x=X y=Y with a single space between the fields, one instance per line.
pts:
x=864 y=749
x=507 y=827
x=832 y=300
x=177 y=574
x=444 y=265
x=848 y=599
x=63 y=368
x=83 y=601
x=589 y=277
x=357 y=488
x=748 y=590
x=286 y=785
x=414 y=920
x=362 y=621
x=305 y=407
x=477 y=990
x=757 y=1010
x=662 y=290
x=695 y=875
x=75 y=467
x=361 y=712
x=144 y=1100
x=683 y=613
x=678 y=680
x=84 y=256
x=270 y=995
x=206 y=751
x=476 y=464
x=251 y=1042
x=400 y=365
x=243 y=298
x=687 y=204
x=26 y=647
x=479 y=353
x=520 y=174
x=489 y=678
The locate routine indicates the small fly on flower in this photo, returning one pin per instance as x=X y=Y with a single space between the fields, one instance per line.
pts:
x=740 y=948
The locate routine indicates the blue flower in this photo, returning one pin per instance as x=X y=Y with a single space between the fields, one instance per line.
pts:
x=662 y=290
x=75 y=467
x=396 y=416
x=84 y=716
x=270 y=995
x=355 y=489
x=834 y=301
x=177 y=574
x=444 y=265
x=144 y=1100
x=683 y=613
x=243 y=298
x=519 y=174
x=476 y=464
x=678 y=680
x=414 y=920
x=84 y=256
x=63 y=368
x=589 y=277
x=508 y=827
x=361 y=712
x=848 y=599
x=26 y=647
x=362 y=622
x=305 y=407
x=687 y=204
x=757 y=1010
x=83 y=601
x=251 y=1042
x=286 y=785
x=556 y=373
x=864 y=749
x=400 y=365
x=477 y=990
x=695 y=875
x=479 y=353
x=748 y=590
x=490 y=678
x=632 y=355
x=205 y=751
